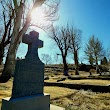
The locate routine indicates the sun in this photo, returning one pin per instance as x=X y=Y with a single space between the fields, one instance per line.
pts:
x=38 y=16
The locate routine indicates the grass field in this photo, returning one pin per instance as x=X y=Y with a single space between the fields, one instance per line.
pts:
x=79 y=99
x=69 y=98
x=55 y=78
x=84 y=81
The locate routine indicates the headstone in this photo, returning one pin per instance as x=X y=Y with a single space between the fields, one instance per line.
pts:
x=27 y=92
x=29 y=73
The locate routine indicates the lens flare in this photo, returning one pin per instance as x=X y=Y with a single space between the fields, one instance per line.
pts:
x=37 y=16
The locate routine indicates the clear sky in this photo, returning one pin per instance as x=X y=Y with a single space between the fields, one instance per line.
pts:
x=92 y=17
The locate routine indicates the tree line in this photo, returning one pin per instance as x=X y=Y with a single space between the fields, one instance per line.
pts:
x=68 y=41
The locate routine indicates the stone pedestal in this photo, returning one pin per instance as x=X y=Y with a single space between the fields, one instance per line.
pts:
x=38 y=102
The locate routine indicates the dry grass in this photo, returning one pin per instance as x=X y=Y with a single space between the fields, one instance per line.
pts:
x=69 y=98
x=5 y=90
x=86 y=81
x=89 y=82
x=78 y=99
x=83 y=81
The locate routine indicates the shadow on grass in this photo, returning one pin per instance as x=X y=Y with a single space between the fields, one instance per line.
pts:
x=94 y=88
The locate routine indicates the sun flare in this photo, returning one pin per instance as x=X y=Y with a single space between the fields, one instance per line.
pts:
x=37 y=16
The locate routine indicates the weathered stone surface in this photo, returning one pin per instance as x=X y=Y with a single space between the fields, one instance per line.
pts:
x=37 y=102
x=29 y=73
x=30 y=103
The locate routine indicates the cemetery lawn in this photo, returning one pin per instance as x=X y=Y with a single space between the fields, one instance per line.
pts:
x=84 y=81
x=78 y=99
x=71 y=99
x=55 y=78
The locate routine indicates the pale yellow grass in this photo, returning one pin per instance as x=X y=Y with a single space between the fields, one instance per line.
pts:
x=83 y=81
x=57 y=92
x=88 y=81
x=78 y=99
x=69 y=98
x=5 y=90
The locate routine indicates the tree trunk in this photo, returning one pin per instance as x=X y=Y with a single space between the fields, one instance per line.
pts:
x=76 y=63
x=1 y=53
x=8 y=68
x=65 y=66
x=15 y=40
x=97 y=66
x=10 y=59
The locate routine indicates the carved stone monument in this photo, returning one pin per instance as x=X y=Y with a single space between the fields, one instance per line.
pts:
x=29 y=73
x=27 y=92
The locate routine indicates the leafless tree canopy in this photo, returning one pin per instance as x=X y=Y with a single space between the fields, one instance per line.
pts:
x=62 y=38
x=6 y=24
x=67 y=38
x=13 y=11
x=75 y=45
x=46 y=58
x=20 y=11
x=75 y=39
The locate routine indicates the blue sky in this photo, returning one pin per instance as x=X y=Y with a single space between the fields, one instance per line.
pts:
x=92 y=17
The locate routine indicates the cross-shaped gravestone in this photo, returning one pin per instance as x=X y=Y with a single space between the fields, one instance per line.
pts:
x=27 y=92
x=29 y=73
x=33 y=44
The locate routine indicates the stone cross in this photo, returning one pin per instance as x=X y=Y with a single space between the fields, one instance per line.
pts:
x=28 y=84
x=33 y=44
x=29 y=72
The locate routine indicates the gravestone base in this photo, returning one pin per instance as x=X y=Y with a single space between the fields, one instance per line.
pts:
x=38 y=102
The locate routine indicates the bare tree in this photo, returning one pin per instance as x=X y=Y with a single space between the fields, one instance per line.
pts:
x=21 y=22
x=95 y=49
x=75 y=35
x=46 y=58
x=6 y=26
x=62 y=38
